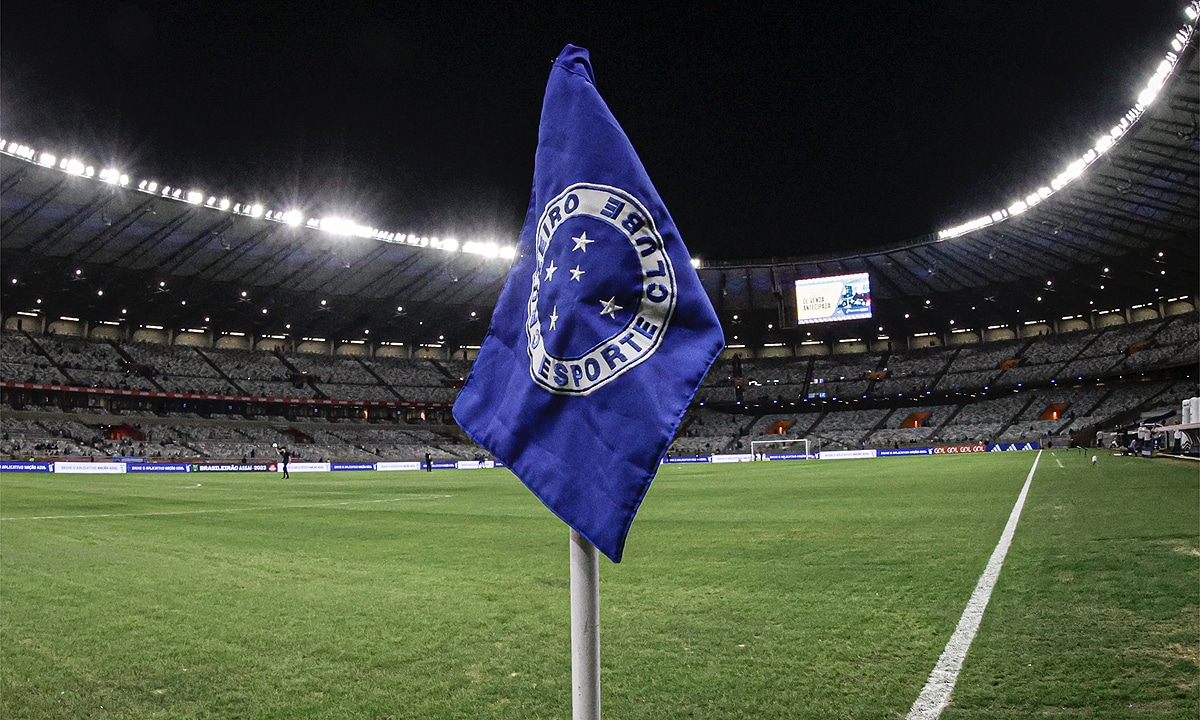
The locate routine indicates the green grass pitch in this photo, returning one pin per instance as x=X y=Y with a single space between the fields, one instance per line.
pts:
x=772 y=590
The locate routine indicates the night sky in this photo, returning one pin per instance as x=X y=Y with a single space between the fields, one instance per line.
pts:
x=769 y=131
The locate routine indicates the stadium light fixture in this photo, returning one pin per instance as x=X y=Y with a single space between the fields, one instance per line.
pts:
x=293 y=217
x=1157 y=81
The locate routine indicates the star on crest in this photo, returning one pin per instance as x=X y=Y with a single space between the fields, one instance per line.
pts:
x=610 y=306
x=554 y=317
x=550 y=271
x=576 y=273
x=581 y=242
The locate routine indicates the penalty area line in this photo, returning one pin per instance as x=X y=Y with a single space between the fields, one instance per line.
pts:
x=936 y=695
x=211 y=511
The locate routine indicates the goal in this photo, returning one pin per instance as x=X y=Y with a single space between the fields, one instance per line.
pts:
x=792 y=446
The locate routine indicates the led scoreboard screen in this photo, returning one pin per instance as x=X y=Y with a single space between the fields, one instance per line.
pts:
x=837 y=297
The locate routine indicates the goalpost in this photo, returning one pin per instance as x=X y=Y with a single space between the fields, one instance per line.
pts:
x=761 y=448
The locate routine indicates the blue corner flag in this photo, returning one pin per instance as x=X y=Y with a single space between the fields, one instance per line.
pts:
x=602 y=332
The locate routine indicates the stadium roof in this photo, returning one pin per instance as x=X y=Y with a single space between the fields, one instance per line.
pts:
x=1123 y=233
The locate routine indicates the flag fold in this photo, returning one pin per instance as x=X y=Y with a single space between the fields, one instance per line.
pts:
x=602 y=332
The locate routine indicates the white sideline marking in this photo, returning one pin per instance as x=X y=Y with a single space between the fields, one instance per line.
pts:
x=1059 y=463
x=936 y=695
x=227 y=510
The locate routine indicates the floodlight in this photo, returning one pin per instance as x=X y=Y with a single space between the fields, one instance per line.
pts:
x=336 y=226
x=487 y=249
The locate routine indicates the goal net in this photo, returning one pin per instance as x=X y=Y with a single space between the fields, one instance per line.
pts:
x=761 y=449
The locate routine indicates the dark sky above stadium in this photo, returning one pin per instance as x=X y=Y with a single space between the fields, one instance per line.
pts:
x=771 y=130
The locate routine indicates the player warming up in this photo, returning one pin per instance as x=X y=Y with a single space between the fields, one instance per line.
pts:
x=284 y=456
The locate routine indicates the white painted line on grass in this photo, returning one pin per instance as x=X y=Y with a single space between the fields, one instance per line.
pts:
x=227 y=510
x=1059 y=462
x=936 y=695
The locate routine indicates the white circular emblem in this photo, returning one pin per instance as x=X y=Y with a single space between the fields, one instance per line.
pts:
x=603 y=290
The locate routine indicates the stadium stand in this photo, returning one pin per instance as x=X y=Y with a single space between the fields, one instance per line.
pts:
x=1009 y=391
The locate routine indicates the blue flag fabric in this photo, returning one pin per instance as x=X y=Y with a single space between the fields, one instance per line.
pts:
x=602 y=332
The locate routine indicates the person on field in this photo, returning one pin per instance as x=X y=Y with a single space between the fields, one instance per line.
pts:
x=284 y=456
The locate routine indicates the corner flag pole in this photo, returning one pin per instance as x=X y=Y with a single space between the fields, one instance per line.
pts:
x=585 y=629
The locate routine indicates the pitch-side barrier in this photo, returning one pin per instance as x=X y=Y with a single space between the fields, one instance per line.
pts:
x=129 y=465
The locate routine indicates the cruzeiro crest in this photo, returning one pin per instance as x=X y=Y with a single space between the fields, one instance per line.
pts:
x=603 y=290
